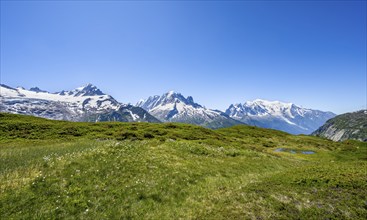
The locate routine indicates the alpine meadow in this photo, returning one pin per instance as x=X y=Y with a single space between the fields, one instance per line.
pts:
x=190 y=110
x=114 y=170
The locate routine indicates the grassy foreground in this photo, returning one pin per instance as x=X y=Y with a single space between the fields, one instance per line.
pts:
x=65 y=170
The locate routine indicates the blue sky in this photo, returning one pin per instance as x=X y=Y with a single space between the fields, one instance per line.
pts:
x=312 y=53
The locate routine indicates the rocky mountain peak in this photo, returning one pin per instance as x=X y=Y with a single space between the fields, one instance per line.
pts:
x=36 y=89
x=86 y=103
x=174 y=107
x=168 y=98
x=87 y=90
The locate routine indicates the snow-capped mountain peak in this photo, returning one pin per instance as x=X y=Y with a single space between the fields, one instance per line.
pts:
x=279 y=115
x=171 y=92
x=173 y=106
x=168 y=99
x=86 y=90
x=268 y=104
x=80 y=104
x=264 y=107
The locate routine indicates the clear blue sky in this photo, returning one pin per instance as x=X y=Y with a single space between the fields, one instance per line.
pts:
x=312 y=53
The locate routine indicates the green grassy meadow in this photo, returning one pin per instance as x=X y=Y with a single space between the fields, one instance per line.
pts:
x=110 y=170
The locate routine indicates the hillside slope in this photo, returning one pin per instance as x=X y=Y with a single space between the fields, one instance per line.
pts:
x=346 y=126
x=112 y=170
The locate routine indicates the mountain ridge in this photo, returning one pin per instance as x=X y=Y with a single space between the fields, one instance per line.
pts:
x=352 y=125
x=174 y=107
x=279 y=115
x=89 y=103
x=80 y=104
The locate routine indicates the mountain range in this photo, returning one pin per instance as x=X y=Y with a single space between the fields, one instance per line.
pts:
x=287 y=117
x=88 y=103
x=174 y=107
